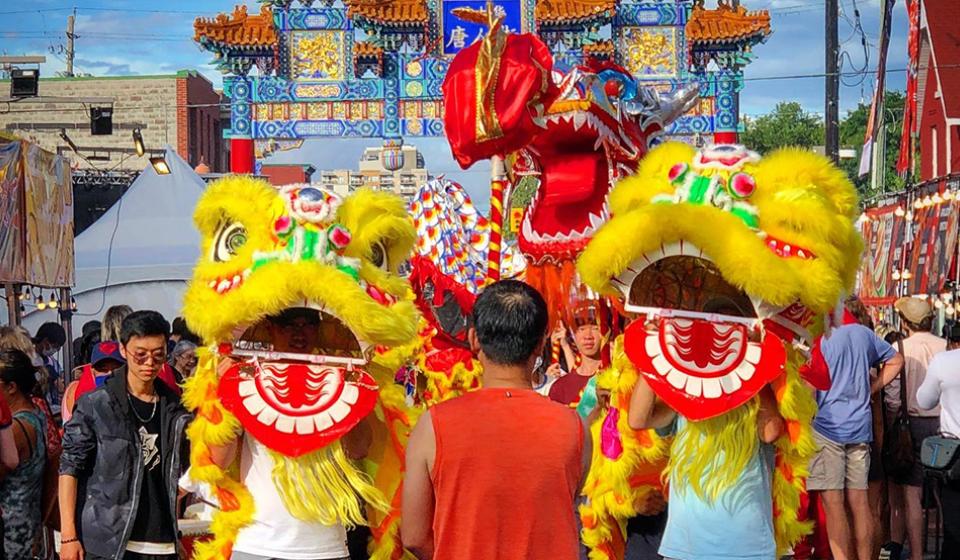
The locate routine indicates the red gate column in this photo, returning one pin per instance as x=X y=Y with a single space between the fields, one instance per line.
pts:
x=241 y=155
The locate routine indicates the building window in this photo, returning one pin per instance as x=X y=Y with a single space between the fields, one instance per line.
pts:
x=935 y=151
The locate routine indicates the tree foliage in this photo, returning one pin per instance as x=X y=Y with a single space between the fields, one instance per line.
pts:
x=853 y=129
x=787 y=125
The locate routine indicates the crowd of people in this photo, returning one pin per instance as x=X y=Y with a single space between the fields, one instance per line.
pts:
x=91 y=455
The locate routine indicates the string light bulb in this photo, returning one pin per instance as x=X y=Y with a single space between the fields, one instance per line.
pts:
x=917 y=204
x=906 y=274
x=53 y=301
x=898 y=212
x=895 y=275
x=73 y=304
x=936 y=199
x=948 y=195
x=40 y=303
x=26 y=293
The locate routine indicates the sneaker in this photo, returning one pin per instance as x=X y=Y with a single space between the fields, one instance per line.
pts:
x=891 y=551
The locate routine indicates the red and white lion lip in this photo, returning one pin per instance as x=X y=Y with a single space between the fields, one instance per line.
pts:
x=297 y=408
x=700 y=368
x=698 y=355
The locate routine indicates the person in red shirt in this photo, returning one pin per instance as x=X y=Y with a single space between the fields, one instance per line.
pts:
x=481 y=480
x=589 y=342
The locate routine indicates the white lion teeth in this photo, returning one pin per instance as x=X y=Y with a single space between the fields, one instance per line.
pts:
x=254 y=404
x=712 y=388
x=350 y=394
x=730 y=383
x=753 y=354
x=322 y=421
x=677 y=379
x=707 y=387
x=268 y=416
x=305 y=425
x=339 y=411
x=285 y=424
x=745 y=371
x=247 y=387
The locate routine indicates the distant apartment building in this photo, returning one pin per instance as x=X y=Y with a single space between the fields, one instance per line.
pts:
x=371 y=173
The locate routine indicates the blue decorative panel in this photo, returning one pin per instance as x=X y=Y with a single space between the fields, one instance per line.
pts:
x=274 y=90
x=651 y=13
x=308 y=129
x=458 y=34
x=422 y=127
x=323 y=18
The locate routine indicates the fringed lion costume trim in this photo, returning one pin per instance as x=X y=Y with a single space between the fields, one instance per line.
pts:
x=618 y=488
x=777 y=240
x=266 y=251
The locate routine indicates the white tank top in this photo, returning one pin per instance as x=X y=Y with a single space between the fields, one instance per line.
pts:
x=274 y=533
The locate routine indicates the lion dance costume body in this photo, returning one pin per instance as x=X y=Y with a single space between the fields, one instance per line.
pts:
x=265 y=252
x=729 y=265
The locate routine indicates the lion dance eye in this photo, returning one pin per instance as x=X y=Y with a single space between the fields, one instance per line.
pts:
x=378 y=256
x=230 y=239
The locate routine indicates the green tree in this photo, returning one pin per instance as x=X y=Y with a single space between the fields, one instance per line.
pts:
x=853 y=129
x=787 y=125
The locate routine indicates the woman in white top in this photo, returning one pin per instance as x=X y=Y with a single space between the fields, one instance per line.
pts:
x=942 y=387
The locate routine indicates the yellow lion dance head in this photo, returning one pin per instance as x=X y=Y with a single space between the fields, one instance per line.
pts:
x=300 y=287
x=728 y=265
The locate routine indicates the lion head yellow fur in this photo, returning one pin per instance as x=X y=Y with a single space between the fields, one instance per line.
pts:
x=801 y=201
x=381 y=237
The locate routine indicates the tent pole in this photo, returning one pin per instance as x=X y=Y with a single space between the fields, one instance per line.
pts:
x=66 y=319
x=13 y=303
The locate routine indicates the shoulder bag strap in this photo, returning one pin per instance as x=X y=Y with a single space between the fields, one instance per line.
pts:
x=903 y=381
x=25 y=435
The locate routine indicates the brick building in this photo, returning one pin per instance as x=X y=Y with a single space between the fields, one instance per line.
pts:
x=180 y=109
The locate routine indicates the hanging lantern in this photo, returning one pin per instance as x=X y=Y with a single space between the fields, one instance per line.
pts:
x=391 y=155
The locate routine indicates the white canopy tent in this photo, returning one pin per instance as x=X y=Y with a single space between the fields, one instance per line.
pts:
x=141 y=251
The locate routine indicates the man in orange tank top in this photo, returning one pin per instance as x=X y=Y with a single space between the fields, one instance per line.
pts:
x=481 y=480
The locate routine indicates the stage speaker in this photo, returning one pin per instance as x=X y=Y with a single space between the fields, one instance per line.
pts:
x=24 y=83
x=101 y=121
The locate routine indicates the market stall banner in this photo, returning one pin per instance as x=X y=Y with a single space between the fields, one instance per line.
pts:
x=12 y=239
x=49 y=212
x=932 y=249
x=883 y=236
x=928 y=251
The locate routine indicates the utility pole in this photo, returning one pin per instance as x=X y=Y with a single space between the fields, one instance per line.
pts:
x=832 y=112
x=71 y=19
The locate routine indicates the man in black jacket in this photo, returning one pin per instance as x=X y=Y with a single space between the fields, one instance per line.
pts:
x=123 y=452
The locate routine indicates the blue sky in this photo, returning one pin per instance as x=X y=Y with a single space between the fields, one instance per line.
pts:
x=125 y=38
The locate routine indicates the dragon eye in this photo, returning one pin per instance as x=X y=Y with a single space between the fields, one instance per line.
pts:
x=230 y=239
x=378 y=256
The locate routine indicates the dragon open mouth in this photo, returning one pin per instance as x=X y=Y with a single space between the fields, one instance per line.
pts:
x=299 y=373
x=696 y=338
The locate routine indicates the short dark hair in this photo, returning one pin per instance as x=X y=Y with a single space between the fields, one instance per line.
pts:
x=510 y=319
x=16 y=368
x=925 y=325
x=51 y=332
x=143 y=323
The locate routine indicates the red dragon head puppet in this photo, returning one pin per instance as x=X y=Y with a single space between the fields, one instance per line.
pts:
x=578 y=133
